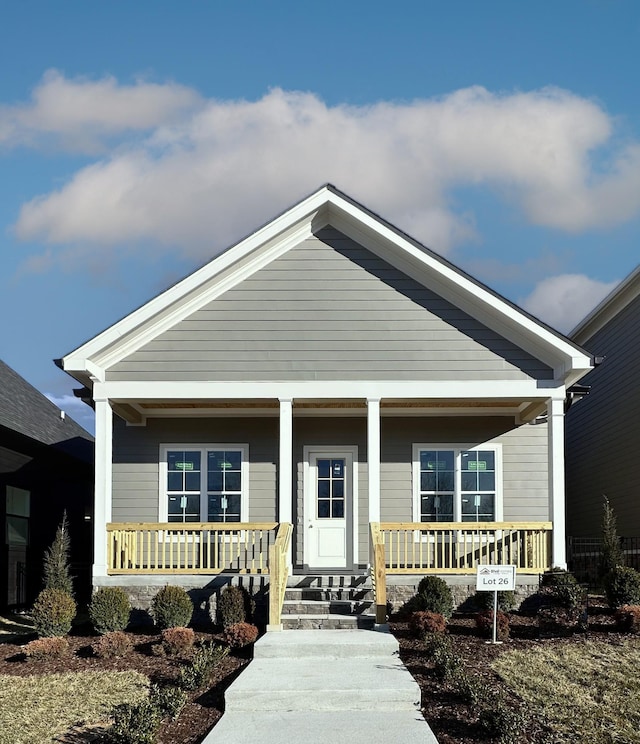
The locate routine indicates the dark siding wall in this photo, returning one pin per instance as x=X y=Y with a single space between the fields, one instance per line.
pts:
x=603 y=432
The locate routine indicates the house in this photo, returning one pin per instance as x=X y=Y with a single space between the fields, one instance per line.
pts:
x=46 y=468
x=330 y=378
x=603 y=433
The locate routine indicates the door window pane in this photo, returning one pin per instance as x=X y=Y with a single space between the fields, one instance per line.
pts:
x=330 y=488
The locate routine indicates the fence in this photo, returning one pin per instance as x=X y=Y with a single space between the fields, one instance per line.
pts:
x=584 y=554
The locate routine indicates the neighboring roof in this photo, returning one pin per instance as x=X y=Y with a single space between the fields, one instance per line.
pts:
x=327 y=206
x=25 y=410
x=616 y=301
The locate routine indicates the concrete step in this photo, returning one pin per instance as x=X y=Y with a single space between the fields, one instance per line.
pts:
x=314 y=683
x=319 y=727
x=329 y=594
x=325 y=607
x=330 y=644
x=327 y=622
x=329 y=581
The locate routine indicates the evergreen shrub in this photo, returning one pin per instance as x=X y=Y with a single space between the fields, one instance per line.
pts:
x=240 y=634
x=109 y=609
x=111 y=645
x=172 y=608
x=53 y=613
x=434 y=595
x=622 y=587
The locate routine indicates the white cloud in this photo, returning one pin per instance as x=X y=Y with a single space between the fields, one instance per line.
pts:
x=78 y=114
x=563 y=301
x=201 y=182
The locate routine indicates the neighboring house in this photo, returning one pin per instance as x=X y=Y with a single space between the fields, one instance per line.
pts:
x=331 y=373
x=603 y=429
x=46 y=467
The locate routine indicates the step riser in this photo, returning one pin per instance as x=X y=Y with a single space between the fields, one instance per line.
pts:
x=294 y=607
x=389 y=699
x=329 y=595
x=347 y=622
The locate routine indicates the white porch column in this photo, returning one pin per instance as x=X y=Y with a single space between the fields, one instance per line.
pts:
x=373 y=457
x=103 y=484
x=285 y=461
x=555 y=434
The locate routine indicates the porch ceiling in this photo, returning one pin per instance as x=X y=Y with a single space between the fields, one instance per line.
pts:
x=136 y=412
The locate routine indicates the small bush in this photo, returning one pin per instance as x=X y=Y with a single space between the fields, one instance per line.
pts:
x=234 y=606
x=484 y=623
x=446 y=663
x=172 y=608
x=111 y=645
x=57 y=571
x=135 y=724
x=502 y=722
x=622 y=587
x=421 y=623
x=469 y=687
x=562 y=589
x=53 y=613
x=109 y=609
x=168 y=699
x=177 y=641
x=557 y=621
x=240 y=634
x=628 y=618
x=46 y=648
x=506 y=601
x=198 y=672
x=434 y=595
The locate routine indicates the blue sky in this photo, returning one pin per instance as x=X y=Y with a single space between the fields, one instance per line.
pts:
x=137 y=140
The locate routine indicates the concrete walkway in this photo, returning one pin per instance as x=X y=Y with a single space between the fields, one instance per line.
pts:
x=319 y=686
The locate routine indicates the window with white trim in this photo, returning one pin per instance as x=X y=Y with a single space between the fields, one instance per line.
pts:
x=204 y=483
x=457 y=484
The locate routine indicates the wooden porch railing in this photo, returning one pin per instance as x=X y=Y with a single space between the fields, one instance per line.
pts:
x=378 y=572
x=278 y=572
x=459 y=547
x=189 y=547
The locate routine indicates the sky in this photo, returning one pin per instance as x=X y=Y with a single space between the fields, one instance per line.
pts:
x=138 y=140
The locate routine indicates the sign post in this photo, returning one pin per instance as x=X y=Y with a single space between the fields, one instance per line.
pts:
x=495 y=579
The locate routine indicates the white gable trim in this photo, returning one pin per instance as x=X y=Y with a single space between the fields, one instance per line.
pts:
x=276 y=238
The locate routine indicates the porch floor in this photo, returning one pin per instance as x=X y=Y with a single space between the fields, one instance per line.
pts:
x=323 y=685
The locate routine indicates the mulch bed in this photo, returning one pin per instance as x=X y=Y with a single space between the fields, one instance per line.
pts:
x=452 y=721
x=196 y=719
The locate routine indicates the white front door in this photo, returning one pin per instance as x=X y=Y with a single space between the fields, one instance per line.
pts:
x=328 y=508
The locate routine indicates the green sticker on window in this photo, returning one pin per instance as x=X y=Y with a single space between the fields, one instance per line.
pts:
x=477 y=465
x=184 y=466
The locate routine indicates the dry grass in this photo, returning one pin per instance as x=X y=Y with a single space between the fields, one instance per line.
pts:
x=36 y=709
x=587 y=691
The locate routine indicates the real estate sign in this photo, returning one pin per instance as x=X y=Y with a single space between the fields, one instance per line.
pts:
x=496 y=578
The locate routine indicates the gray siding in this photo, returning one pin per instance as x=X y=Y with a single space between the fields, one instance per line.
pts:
x=524 y=462
x=603 y=432
x=329 y=309
x=136 y=453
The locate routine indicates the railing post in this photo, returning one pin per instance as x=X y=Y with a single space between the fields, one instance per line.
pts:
x=378 y=573
x=278 y=573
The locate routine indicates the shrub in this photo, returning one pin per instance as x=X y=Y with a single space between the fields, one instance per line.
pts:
x=172 y=608
x=502 y=722
x=421 y=623
x=240 y=634
x=562 y=588
x=177 y=641
x=628 y=618
x=109 y=609
x=611 y=554
x=622 y=587
x=44 y=648
x=198 y=672
x=484 y=623
x=234 y=606
x=434 y=595
x=57 y=573
x=446 y=663
x=53 y=612
x=112 y=644
x=168 y=699
x=506 y=601
x=557 y=621
x=135 y=724
x=469 y=687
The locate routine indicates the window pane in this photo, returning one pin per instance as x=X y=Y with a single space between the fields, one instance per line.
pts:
x=337 y=468
x=192 y=504
x=478 y=508
x=17 y=531
x=469 y=481
x=214 y=480
x=486 y=460
x=323 y=509
x=174 y=481
x=437 y=508
x=428 y=481
x=18 y=501
x=324 y=468
x=231 y=481
x=192 y=481
x=233 y=459
x=486 y=481
x=183 y=462
x=214 y=507
x=338 y=509
x=444 y=481
x=174 y=506
x=338 y=489
x=427 y=460
x=324 y=489
x=233 y=506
